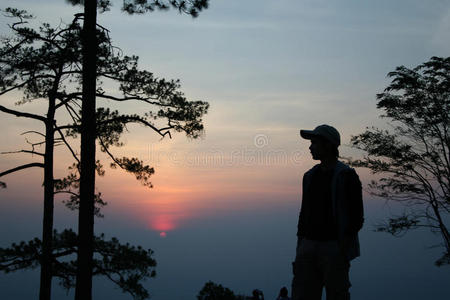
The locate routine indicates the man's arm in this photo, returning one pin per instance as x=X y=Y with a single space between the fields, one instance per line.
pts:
x=355 y=204
x=301 y=217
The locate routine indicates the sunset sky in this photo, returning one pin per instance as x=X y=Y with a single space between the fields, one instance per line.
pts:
x=224 y=207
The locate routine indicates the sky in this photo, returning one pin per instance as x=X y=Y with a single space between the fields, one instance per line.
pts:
x=224 y=207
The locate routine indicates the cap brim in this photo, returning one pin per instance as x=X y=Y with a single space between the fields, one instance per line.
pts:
x=307 y=134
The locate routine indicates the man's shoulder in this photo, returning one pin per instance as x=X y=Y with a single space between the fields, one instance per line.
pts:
x=312 y=170
x=343 y=168
x=347 y=173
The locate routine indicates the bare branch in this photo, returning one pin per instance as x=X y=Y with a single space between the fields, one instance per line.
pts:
x=32 y=131
x=135 y=120
x=5 y=91
x=67 y=192
x=23 y=151
x=67 y=144
x=129 y=98
x=26 y=166
x=22 y=114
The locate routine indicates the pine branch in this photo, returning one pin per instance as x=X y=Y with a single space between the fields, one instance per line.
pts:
x=22 y=114
x=26 y=166
x=67 y=144
x=23 y=151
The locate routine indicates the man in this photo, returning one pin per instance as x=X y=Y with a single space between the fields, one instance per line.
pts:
x=330 y=217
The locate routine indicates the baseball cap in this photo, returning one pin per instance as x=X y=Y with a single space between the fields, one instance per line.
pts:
x=326 y=131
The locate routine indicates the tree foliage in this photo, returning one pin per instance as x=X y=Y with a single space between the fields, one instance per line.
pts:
x=90 y=71
x=413 y=158
x=123 y=264
x=45 y=64
x=190 y=7
x=214 y=291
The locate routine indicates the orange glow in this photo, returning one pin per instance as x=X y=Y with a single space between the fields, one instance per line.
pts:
x=163 y=222
x=184 y=193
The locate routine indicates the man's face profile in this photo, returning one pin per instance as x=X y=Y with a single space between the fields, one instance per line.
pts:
x=319 y=148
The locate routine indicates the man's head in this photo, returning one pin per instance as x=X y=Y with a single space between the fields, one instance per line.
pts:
x=284 y=292
x=325 y=141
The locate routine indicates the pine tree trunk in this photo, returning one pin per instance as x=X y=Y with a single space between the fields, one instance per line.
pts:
x=83 y=289
x=47 y=230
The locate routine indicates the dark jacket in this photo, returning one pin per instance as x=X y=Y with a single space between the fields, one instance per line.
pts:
x=347 y=206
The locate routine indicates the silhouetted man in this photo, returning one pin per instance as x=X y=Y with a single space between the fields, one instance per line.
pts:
x=330 y=217
x=256 y=295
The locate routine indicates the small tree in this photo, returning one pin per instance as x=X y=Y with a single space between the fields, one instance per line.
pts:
x=214 y=291
x=413 y=159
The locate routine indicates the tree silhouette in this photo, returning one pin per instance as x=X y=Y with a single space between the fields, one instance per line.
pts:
x=87 y=180
x=214 y=291
x=413 y=159
x=125 y=265
x=46 y=64
x=37 y=71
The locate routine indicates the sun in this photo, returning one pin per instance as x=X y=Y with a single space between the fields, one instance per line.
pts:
x=163 y=234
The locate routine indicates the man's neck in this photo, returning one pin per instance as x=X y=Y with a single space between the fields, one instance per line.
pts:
x=328 y=163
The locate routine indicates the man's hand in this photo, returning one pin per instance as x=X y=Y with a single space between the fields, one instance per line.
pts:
x=344 y=244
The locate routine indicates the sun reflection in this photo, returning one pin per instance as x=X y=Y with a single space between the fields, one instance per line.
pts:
x=163 y=234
